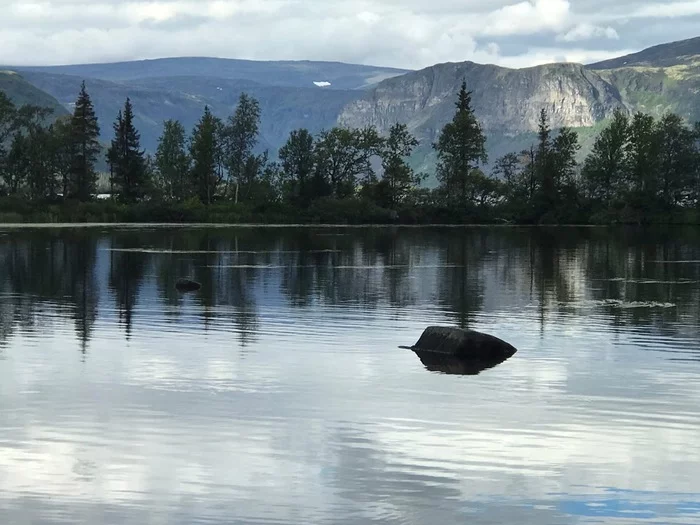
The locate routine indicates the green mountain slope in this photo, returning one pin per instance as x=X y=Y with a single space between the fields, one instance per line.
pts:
x=21 y=92
x=665 y=55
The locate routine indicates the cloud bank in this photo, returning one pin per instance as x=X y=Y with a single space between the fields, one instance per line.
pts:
x=401 y=33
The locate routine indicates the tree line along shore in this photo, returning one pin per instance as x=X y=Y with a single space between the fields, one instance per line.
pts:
x=640 y=170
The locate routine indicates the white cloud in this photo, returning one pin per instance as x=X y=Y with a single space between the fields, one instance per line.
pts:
x=587 y=31
x=528 y=17
x=668 y=9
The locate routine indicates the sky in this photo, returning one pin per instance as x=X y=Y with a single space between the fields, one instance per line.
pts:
x=409 y=34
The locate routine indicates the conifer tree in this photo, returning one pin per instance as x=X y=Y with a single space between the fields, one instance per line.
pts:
x=126 y=159
x=85 y=147
x=543 y=165
x=461 y=148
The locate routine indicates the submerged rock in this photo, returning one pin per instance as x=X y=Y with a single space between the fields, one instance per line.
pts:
x=463 y=352
x=187 y=285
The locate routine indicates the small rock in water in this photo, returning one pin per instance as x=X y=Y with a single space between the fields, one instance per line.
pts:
x=463 y=352
x=187 y=285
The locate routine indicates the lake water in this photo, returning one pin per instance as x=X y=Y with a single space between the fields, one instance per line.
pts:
x=277 y=394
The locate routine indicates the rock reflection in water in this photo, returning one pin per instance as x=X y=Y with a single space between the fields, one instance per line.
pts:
x=454 y=365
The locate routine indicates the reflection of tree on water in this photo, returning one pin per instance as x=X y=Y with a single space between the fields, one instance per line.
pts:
x=43 y=269
x=84 y=290
x=461 y=283
x=126 y=271
x=228 y=276
x=244 y=271
x=7 y=322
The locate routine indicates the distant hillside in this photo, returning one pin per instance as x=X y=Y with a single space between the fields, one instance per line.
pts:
x=508 y=101
x=685 y=52
x=21 y=92
x=282 y=73
x=183 y=98
x=659 y=79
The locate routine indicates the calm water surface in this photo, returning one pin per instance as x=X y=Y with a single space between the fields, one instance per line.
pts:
x=278 y=394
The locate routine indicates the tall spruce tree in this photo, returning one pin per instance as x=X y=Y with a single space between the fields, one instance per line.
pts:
x=543 y=166
x=126 y=159
x=206 y=150
x=173 y=162
x=461 y=148
x=85 y=147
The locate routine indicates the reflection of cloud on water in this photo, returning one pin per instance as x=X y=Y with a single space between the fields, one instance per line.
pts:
x=353 y=430
x=320 y=417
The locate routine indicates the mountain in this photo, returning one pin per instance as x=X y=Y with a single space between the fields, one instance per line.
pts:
x=508 y=101
x=659 y=79
x=281 y=73
x=297 y=94
x=22 y=92
x=291 y=94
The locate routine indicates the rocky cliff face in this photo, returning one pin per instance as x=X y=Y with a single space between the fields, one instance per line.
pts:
x=507 y=101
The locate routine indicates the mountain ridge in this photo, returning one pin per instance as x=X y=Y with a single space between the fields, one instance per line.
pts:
x=662 y=78
x=300 y=73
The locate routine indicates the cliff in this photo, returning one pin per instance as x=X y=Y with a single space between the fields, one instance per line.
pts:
x=507 y=101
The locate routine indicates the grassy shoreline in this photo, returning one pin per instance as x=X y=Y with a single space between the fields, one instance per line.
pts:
x=351 y=212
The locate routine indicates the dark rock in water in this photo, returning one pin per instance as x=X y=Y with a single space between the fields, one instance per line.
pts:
x=463 y=352
x=186 y=285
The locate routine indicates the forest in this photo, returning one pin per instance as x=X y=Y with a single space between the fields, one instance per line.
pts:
x=640 y=170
